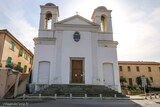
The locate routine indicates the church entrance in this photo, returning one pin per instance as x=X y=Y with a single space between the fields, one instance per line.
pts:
x=77 y=75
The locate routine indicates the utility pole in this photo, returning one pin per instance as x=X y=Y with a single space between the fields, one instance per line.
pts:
x=144 y=83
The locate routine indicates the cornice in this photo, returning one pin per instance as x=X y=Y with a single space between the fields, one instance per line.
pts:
x=79 y=17
x=107 y=43
x=44 y=41
x=75 y=27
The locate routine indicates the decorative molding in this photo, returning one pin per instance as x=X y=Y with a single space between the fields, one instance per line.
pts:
x=79 y=17
x=44 y=41
x=107 y=43
x=101 y=32
x=73 y=27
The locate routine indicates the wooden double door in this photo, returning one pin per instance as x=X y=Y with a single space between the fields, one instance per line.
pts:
x=77 y=71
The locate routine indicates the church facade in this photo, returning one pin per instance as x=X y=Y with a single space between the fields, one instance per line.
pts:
x=75 y=50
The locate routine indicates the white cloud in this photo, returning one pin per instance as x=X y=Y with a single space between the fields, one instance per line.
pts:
x=24 y=32
x=140 y=38
x=135 y=29
x=18 y=26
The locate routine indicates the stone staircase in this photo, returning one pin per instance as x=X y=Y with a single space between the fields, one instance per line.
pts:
x=21 y=81
x=78 y=91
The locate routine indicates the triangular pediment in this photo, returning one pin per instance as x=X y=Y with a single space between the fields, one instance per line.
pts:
x=77 y=20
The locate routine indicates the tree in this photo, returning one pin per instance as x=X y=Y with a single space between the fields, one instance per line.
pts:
x=148 y=82
x=122 y=80
x=139 y=81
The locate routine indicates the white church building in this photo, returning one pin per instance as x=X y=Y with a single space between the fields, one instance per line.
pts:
x=75 y=50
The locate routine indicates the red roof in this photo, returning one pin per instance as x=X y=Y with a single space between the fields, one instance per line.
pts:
x=138 y=63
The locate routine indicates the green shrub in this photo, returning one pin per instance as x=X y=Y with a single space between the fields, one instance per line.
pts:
x=154 y=88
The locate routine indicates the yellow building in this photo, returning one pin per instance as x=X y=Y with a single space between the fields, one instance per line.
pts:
x=14 y=54
x=132 y=69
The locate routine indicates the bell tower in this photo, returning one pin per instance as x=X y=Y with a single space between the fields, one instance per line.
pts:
x=102 y=17
x=49 y=15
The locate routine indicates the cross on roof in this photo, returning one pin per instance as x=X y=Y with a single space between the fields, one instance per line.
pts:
x=77 y=13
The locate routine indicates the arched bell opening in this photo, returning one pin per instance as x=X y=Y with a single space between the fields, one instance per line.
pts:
x=103 y=23
x=48 y=20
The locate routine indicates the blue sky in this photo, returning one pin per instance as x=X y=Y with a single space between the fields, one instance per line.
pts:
x=136 y=23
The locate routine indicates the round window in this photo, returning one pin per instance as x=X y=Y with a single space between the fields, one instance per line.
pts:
x=76 y=36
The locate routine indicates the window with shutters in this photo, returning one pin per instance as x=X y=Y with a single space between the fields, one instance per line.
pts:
x=21 y=52
x=9 y=61
x=25 y=68
x=19 y=64
x=13 y=46
x=26 y=56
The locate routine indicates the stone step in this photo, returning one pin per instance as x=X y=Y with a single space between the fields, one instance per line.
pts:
x=78 y=91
